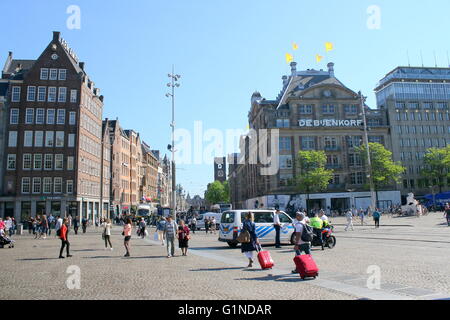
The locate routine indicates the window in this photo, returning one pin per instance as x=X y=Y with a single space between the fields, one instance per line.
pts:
x=350 y=109
x=11 y=162
x=69 y=186
x=73 y=96
x=71 y=140
x=400 y=105
x=61 y=116
x=29 y=116
x=49 y=142
x=419 y=116
x=70 y=161
x=354 y=159
x=357 y=178
x=442 y=105
x=281 y=123
x=28 y=139
x=26 y=185
x=15 y=94
x=48 y=162
x=354 y=141
x=36 y=185
x=14 y=116
x=51 y=94
x=59 y=162
x=72 y=118
x=47 y=183
x=308 y=143
x=53 y=74
x=285 y=144
x=37 y=162
x=62 y=74
x=50 y=116
x=285 y=162
x=59 y=139
x=44 y=73
x=42 y=93
x=328 y=109
x=26 y=161
x=40 y=116
x=31 y=93
x=38 y=138
x=330 y=143
x=305 y=109
x=12 y=139
x=57 y=185
x=62 y=94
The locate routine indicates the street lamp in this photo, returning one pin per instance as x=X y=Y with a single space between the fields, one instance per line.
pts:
x=173 y=84
x=369 y=162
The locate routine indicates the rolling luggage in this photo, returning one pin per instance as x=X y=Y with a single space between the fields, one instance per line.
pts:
x=306 y=266
x=265 y=260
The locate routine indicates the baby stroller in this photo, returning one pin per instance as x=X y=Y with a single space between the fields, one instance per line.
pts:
x=5 y=241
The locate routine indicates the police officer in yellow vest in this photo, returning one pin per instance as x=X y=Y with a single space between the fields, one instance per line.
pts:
x=317 y=224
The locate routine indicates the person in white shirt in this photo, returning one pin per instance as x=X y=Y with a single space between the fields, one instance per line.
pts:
x=107 y=233
x=349 y=216
x=59 y=222
x=8 y=225
x=300 y=245
x=277 y=225
x=323 y=216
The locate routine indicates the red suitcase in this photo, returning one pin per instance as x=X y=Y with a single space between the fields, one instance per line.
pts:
x=306 y=266
x=265 y=260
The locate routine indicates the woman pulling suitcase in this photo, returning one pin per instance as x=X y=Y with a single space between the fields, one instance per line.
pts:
x=249 y=232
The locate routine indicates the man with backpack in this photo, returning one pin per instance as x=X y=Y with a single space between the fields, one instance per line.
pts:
x=303 y=236
x=376 y=217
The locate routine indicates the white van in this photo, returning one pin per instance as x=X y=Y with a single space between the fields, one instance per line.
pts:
x=207 y=215
x=231 y=225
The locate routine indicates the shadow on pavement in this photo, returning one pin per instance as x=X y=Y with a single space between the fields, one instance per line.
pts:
x=281 y=278
x=37 y=259
x=149 y=257
x=218 y=269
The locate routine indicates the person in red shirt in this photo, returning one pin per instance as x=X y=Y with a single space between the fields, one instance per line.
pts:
x=63 y=232
x=183 y=237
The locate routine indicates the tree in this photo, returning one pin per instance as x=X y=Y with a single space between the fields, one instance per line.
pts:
x=437 y=165
x=217 y=192
x=312 y=176
x=384 y=169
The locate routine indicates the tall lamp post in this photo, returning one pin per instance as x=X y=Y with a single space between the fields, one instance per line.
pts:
x=173 y=84
x=369 y=162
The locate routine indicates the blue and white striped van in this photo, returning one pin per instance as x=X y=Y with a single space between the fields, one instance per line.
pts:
x=231 y=225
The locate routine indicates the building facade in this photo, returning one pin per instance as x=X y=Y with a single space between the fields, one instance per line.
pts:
x=416 y=102
x=314 y=111
x=54 y=136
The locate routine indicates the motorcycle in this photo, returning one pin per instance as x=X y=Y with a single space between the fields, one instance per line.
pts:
x=324 y=239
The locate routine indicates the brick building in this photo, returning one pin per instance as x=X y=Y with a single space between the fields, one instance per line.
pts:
x=54 y=136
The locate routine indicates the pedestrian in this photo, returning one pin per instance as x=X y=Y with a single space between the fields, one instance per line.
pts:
x=376 y=217
x=248 y=248
x=349 y=216
x=84 y=223
x=127 y=234
x=30 y=225
x=361 y=216
x=107 y=233
x=160 y=227
x=9 y=226
x=35 y=226
x=193 y=224
x=69 y=218
x=277 y=226
x=51 y=223
x=170 y=231
x=447 y=213
x=300 y=245
x=183 y=237
x=58 y=225
x=142 y=226
x=76 y=224
x=2 y=224
x=63 y=235
x=206 y=225
x=213 y=225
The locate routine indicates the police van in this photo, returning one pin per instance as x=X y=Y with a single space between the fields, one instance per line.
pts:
x=232 y=221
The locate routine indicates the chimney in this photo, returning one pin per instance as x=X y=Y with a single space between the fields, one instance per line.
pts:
x=331 y=69
x=293 y=68
x=56 y=35
x=81 y=64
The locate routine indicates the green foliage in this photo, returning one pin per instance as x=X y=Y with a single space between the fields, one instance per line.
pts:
x=437 y=165
x=313 y=176
x=384 y=169
x=218 y=192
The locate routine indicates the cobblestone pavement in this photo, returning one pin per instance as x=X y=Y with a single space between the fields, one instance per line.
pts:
x=411 y=252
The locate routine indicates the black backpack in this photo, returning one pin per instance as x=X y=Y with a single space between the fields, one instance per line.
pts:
x=307 y=233
x=58 y=232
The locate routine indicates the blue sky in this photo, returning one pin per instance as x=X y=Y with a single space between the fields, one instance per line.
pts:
x=224 y=50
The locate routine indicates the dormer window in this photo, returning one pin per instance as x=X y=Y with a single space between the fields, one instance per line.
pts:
x=44 y=73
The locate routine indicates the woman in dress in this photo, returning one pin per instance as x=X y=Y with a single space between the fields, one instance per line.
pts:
x=248 y=248
x=183 y=237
